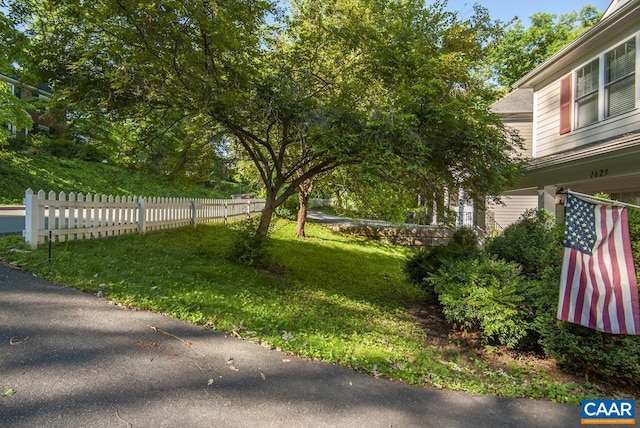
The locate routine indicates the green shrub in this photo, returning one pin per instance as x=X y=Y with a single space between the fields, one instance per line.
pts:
x=18 y=142
x=528 y=242
x=289 y=210
x=484 y=294
x=52 y=145
x=510 y=294
x=426 y=261
x=581 y=349
x=591 y=352
x=249 y=248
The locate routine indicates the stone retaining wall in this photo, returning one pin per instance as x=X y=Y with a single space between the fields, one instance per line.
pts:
x=425 y=236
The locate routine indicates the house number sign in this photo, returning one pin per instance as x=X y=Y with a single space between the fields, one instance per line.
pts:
x=598 y=173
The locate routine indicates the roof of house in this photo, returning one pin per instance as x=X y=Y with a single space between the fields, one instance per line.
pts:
x=42 y=88
x=615 y=5
x=518 y=101
x=620 y=13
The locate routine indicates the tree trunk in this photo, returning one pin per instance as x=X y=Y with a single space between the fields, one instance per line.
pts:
x=265 y=218
x=304 y=194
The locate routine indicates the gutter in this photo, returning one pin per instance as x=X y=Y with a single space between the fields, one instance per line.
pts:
x=584 y=39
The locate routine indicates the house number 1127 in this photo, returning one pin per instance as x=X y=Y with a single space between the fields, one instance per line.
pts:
x=599 y=173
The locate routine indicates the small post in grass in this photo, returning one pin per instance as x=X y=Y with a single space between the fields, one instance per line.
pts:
x=50 y=238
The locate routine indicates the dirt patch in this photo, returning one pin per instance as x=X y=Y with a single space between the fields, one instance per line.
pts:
x=457 y=344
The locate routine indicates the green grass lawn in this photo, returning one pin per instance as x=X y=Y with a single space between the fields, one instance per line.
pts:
x=333 y=297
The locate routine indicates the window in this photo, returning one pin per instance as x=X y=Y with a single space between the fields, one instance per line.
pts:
x=40 y=129
x=587 y=84
x=596 y=98
x=620 y=78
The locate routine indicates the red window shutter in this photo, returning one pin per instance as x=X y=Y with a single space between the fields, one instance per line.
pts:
x=565 y=105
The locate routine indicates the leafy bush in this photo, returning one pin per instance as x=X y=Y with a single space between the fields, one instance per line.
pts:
x=579 y=348
x=537 y=247
x=18 y=143
x=289 y=210
x=418 y=268
x=528 y=242
x=248 y=248
x=510 y=294
x=484 y=294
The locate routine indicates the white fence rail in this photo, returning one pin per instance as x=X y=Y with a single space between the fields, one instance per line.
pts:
x=67 y=217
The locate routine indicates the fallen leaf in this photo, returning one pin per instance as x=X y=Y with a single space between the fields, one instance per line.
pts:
x=9 y=392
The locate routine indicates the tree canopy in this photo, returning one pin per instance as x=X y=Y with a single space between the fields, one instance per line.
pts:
x=520 y=49
x=390 y=85
x=12 y=109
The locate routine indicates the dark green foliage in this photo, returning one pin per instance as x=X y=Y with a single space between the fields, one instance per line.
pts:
x=484 y=294
x=579 y=348
x=21 y=171
x=593 y=353
x=528 y=242
x=510 y=294
x=56 y=146
x=418 y=268
x=289 y=209
x=464 y=239
x=18 y=143
x=634 y=233
x=249 y=248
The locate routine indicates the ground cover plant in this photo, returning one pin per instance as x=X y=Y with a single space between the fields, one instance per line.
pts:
x=333 y=297
x=19 y=171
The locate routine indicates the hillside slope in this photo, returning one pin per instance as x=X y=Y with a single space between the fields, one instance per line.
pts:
x=19 y=172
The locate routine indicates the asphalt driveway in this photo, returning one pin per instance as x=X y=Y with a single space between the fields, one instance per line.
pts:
x=75 y=360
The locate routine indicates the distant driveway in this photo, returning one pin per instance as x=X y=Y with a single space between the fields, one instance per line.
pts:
x=11 y=219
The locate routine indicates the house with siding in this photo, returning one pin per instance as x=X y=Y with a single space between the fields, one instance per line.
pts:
x=579 y=114
x=42 y=123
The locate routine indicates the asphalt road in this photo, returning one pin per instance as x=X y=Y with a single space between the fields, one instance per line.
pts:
x=75 y=360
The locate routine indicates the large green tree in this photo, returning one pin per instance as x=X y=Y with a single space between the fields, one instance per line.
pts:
x=12 y=109
x=329 y=83
x=522 y=48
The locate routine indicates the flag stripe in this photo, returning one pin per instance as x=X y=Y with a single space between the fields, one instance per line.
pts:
x=565 y=307
x=612 y=319
x=598 y=286
x=629 y=305
x=607 y=245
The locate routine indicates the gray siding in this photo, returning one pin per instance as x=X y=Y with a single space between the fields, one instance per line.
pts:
x=525 y=130
x=515 y=204
x=547 y=107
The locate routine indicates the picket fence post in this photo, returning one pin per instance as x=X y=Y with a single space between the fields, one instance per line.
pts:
x=142 y=217
x=32 y=218
x=194 y=213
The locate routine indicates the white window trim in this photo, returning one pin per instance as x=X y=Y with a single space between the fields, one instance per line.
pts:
x=601 y=83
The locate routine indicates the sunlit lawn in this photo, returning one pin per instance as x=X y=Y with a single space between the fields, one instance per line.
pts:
x=332 y=297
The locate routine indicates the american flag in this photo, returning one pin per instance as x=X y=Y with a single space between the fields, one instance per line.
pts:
x=598 y=286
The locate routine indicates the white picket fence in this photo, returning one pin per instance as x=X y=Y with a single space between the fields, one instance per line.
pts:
x=62 y=217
